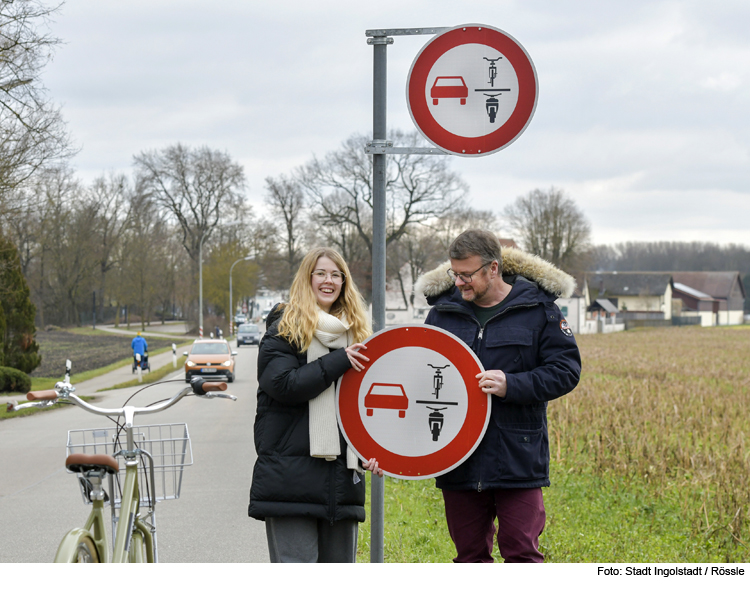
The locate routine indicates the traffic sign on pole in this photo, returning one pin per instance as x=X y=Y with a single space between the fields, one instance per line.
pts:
x=417 y=407
x=472 y=90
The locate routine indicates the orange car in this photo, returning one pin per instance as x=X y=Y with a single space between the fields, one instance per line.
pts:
x=210 y=358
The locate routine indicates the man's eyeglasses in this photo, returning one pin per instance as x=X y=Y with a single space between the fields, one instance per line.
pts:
x=465 y=277
x=336 y=276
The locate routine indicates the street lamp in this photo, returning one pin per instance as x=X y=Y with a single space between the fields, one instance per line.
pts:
x=231 y=310
x=200 y=276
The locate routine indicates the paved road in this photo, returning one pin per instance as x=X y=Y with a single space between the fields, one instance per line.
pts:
x=39 y=501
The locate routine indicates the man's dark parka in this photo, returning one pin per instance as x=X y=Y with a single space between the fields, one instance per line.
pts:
x=287 y=481
x=530 y=341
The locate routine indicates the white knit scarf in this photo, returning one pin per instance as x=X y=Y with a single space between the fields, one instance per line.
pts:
x=331 y=333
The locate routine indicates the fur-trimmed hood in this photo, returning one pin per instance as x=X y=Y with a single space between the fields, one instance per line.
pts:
x=515 y=262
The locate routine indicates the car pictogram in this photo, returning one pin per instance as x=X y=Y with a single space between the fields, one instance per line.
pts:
x=449 y=87
x=387 y=396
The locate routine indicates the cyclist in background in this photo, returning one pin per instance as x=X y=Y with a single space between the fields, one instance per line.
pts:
x=139 y=346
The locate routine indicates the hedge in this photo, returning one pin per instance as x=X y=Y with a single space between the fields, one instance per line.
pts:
x=14 y=380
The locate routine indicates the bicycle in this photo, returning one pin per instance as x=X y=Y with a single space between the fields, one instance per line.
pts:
x=148 y=451
x=493 y=69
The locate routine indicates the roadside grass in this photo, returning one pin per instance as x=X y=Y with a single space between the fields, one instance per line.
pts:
x=149 y=377
x=589 y=520
x=650 y=459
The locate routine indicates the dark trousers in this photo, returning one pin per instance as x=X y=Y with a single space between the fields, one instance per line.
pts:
x=306 y=539
x=471 y=523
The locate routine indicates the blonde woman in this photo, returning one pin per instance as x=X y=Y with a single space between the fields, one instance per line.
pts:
x=307 y=485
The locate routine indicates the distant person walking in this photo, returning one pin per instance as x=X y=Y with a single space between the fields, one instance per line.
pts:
x=308 y=486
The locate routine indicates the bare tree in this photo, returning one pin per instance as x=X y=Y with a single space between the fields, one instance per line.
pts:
x=418 y=251
x=418 y=188
x=200 y=188
x=32 y=131
x=550 y=225
x=145 y=252
x=112 y=198
x=285 y=198
x=458 y=219
x=37 y=225
x=426 y=245
x=72 y=268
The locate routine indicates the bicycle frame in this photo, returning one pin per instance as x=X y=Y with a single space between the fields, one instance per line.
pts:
x=134 y=534
x=131 y=533
x=130 y=519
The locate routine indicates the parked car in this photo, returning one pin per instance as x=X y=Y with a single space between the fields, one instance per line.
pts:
x=210 y=358
x=248 y=334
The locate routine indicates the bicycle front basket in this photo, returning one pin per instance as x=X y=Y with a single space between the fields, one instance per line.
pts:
x=167 y=445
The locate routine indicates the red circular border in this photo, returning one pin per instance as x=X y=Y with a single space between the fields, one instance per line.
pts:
x=528 y=89
x=477 y=413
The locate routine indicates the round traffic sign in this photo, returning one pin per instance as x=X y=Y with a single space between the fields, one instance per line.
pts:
x=417 y=407
x=472 y=90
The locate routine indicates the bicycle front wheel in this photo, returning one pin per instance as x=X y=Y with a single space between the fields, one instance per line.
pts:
x=77 y=547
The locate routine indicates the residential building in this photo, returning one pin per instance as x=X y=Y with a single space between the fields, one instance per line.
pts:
x=717 y=294
x=635 y=295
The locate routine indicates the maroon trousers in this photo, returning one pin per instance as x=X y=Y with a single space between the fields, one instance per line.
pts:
x=471 y=523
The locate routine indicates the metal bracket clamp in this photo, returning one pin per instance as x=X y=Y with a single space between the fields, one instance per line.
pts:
x=377 y=146
x=386 y=147
x=417 y=31
x=380 y=41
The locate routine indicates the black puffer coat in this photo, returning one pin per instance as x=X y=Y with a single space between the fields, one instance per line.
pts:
x=287 y=481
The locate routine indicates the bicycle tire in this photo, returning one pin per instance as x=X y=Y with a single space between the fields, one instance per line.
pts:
x=77 y=546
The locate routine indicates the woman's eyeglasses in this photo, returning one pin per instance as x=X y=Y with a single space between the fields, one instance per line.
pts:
x=336 y=276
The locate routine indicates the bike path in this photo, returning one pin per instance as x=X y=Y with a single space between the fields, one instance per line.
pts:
x=40 y=501
x=176 y=330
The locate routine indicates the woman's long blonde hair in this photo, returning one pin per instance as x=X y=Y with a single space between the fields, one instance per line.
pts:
x=301 y=313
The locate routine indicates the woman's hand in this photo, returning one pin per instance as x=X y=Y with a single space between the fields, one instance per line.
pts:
x=372 y=466
x=355 y=357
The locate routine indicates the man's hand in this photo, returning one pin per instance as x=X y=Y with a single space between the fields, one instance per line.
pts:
x=493 y=382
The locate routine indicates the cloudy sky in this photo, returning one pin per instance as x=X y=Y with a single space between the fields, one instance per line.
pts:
x=642 y=114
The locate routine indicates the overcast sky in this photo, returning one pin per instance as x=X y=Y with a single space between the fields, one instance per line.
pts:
x=643 y=114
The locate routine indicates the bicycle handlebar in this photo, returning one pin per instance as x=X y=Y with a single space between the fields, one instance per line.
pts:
x=64 y=392
x=213 y=386
x=42 y=395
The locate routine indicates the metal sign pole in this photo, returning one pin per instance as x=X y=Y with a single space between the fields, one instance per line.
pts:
x=379 y=147
x=380 y=44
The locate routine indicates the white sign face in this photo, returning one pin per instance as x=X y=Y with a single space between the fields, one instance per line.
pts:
x=402 y=409
x=417 y=407
x=486 y=85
